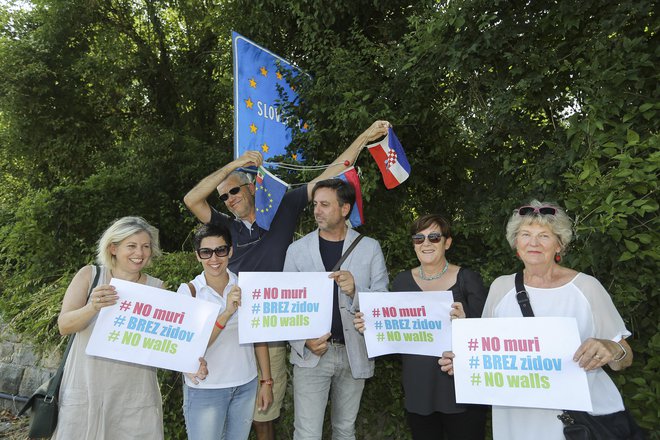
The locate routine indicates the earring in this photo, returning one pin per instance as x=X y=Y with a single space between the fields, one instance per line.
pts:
x=557 y=258
x=517 y=254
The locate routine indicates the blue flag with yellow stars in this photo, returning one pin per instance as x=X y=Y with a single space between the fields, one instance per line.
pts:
x=258 y=120
x=269 y=191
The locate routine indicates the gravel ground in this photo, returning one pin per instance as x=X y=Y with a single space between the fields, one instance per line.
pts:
x=13 y=428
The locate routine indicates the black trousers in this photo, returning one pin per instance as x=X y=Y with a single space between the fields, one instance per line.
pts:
x=468 y=425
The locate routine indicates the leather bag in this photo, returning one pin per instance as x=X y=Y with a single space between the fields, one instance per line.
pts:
x=44 y=401
x=580 y=425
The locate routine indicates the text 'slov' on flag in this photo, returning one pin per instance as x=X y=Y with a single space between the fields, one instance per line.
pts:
x=357 y=214
x=392 y=162
x=269 y=191
x=259 y=122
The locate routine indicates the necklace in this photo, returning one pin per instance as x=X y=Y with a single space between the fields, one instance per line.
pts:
x=433 y=277
x=132 y=281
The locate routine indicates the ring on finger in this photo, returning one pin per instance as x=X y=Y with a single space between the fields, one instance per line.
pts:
x=597 y=356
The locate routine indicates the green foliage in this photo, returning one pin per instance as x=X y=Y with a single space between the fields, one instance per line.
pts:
x=494 y=101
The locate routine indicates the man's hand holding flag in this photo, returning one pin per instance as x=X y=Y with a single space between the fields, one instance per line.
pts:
x=392 y=162
x=269 y=191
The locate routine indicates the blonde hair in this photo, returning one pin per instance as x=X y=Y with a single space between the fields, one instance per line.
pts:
x=560 y=224
x=118 y=232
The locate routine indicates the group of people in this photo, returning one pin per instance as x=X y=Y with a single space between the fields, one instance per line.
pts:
x=239 y=386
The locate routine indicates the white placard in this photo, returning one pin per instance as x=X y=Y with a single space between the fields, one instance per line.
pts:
x=284 y=306
x=155 y=327
x=524 y=362
x=406 y=322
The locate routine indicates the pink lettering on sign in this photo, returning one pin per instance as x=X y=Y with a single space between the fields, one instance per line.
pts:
x=389 y=312
x=490 y=344
x=522 y=344
x=270 y=293
x=142 y=309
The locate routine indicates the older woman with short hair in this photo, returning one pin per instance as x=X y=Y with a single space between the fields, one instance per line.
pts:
x=540 y=232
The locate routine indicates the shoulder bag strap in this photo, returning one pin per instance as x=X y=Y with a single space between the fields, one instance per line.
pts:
x=522 y=297
x=457 y=291
x=348 y=251
x=193 y=292
x=54 y=384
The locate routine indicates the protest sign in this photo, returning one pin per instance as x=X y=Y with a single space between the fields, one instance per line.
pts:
x=155 y=327
x=524 y=362
x=406 y=322
x=284 y=306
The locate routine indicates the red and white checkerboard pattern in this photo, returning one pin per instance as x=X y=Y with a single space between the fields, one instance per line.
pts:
x=391 y=159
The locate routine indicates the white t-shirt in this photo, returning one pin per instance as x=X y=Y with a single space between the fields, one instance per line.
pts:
x=583 y=298
x=230 y=364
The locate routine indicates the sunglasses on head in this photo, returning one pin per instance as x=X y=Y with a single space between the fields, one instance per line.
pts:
x=233 y=192
x=543 y=210
x=434 y=237
x=220 y=251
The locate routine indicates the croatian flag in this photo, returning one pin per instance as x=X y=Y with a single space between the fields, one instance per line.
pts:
x=269 y=193
x=388 y=154
x=357 y=214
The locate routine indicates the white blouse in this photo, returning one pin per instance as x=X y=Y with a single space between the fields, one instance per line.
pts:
x=583 y=298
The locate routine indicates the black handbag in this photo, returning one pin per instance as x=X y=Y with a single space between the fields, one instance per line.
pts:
x=44 y=401
x=580 y=425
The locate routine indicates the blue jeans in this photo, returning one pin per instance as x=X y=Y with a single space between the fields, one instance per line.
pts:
x=311 y=387
x=219 y=413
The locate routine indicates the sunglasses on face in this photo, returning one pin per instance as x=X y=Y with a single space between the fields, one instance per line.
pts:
x=220 y=251
x=434 y=237
x=233 y=192
x=543 y=210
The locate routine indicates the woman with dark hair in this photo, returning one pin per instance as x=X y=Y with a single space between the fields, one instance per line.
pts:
x=430 y=401
x=222 y=405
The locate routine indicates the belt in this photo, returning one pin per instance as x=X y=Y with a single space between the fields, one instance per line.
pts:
x=334 y=341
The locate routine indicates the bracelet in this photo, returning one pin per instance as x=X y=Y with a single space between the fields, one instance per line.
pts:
x=266 y=382
x=220 y=326
x=623 y=356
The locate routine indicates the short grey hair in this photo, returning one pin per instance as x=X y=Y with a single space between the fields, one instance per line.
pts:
x=243 y=177
x=560 y=224
x=119 y=231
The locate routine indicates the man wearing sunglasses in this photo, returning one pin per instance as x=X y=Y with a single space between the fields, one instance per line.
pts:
x=336 y=362
x=258 y=250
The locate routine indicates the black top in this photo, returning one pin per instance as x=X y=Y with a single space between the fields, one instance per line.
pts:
x=428 y=389
x=256 y=249
x=330 y=254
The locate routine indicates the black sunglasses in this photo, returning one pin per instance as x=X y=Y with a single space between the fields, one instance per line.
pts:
x=220 y=251
x=434 y=237
x=543 y=210
x=233 y=192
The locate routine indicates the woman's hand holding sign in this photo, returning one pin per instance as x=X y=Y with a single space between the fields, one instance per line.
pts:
x=233 y=300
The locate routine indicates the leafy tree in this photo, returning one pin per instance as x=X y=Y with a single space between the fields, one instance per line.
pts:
x=495 y=102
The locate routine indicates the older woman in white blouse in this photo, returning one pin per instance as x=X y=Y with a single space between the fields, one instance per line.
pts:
x=539 y=233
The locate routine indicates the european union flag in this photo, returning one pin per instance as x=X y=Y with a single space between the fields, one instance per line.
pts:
x=268 y=195
x=259 y=123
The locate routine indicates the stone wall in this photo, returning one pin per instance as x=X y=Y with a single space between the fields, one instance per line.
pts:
x=22 y=369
